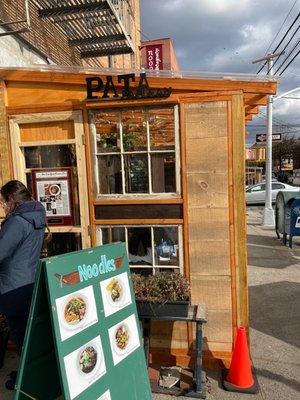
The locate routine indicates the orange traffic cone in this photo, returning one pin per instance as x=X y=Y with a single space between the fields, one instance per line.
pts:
x=240 y=377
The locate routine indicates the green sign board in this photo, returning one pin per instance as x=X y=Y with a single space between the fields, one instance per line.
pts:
x=83 y=339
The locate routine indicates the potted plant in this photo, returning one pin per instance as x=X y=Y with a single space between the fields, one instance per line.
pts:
x=163 y=294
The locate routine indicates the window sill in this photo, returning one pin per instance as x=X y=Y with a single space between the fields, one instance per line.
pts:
x=138 y=199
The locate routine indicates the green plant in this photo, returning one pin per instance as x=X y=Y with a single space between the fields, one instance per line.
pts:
x=162 y=287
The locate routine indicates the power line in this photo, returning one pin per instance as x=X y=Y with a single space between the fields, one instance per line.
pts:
x=145 y=36
x=285 y=48
x=289 y=63
x=279 y=121
x=281 y=27
x=291 y=98
x=286 y=58
x=285 y=35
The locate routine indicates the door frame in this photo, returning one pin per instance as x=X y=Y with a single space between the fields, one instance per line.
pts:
x=19 y=168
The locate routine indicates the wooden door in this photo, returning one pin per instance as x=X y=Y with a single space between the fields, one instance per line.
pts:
x=51 y=140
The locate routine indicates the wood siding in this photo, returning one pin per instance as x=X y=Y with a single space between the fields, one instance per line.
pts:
x=208 y=217
x=5 y=165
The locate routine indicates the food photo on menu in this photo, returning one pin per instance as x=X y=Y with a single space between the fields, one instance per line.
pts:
x=115 y=293
x=85 y=366
x=105 y=396
x=76 y=311
x=124 y=338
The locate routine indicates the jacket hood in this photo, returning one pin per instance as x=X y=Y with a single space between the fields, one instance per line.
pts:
x=33 y=212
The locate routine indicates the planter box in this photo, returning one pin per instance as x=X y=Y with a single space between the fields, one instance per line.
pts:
x=167 y=309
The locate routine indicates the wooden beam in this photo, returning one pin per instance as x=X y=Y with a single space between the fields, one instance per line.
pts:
x=256 y=99
x=182 y=84
x=5 y=159
x=240 y=248
x=251 y=110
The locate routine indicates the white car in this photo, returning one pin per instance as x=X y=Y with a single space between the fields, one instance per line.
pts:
x=256 y=194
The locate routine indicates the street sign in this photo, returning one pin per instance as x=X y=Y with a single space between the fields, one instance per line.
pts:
x=83 y=339
x=262 y=137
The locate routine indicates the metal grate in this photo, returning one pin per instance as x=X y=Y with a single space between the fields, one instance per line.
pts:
x=95 y=27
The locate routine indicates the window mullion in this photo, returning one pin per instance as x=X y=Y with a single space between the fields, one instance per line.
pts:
x=95 y=155
x=126 y=240
x=149 y=159
x=122 y=158
x=153 y=251
x=177 y=150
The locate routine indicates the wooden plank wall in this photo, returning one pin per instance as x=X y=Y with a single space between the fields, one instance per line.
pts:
x=206 y=129
x=5 y=165
x=240 y=230
x=47 y=131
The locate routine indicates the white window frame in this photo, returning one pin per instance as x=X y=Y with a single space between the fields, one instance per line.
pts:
x=95 y=154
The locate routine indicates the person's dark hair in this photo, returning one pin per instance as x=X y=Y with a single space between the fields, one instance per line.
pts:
x=19 y=193
x=15 y=191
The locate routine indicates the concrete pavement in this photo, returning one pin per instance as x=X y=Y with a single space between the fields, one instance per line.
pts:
x=274 y=291
x=274 y=295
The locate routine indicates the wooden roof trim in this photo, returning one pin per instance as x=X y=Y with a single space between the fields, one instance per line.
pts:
x=251 y=110
x=255 y=99
x=184 y=84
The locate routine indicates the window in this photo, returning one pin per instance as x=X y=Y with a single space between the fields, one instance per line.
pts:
x=258 y=188
x=150 y=249
x=135 y=151
x=277 y=186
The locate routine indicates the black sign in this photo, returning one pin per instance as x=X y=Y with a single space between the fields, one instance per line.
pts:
x=95 y=85
x=262 y=137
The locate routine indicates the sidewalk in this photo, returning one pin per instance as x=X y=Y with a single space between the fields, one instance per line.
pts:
x=274 y=292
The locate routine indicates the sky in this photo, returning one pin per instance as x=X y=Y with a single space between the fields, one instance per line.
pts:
x=226 y=36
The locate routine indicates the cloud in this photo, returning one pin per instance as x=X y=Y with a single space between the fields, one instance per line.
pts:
x=222 y=35
x=205 y=6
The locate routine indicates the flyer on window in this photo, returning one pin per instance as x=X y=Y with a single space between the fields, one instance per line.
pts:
x=52 y=187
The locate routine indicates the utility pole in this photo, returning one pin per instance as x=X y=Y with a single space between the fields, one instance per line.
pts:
x=269 y=217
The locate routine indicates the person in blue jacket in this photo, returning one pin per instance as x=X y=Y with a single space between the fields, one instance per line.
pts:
x=21 y=239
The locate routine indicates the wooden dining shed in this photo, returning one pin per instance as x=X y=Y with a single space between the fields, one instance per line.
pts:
x=156 y=161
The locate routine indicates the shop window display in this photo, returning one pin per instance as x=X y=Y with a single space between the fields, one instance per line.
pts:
x=151 y=249
x=134 y=150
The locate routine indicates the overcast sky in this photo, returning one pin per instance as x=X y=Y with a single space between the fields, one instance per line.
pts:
x=226 y=35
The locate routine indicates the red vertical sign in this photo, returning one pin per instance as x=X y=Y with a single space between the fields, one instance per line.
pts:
x=154 y=57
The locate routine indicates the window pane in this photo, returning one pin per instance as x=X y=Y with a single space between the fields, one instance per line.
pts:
x=139 y=246
x=110 y=174
x=136 y=169
x=61 y=243
x=257 y=188
x=276 y=186
x=162 y=129
x=159 y=270
x=50 y=156
x=55 y=156
x=134 y=128
x=107 y=131
x=110 y=235
x=142 y=271
x=163 y=173
x=166 y=245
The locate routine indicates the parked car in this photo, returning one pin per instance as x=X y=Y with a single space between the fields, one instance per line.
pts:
x=256 y=194
x=296 y=177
